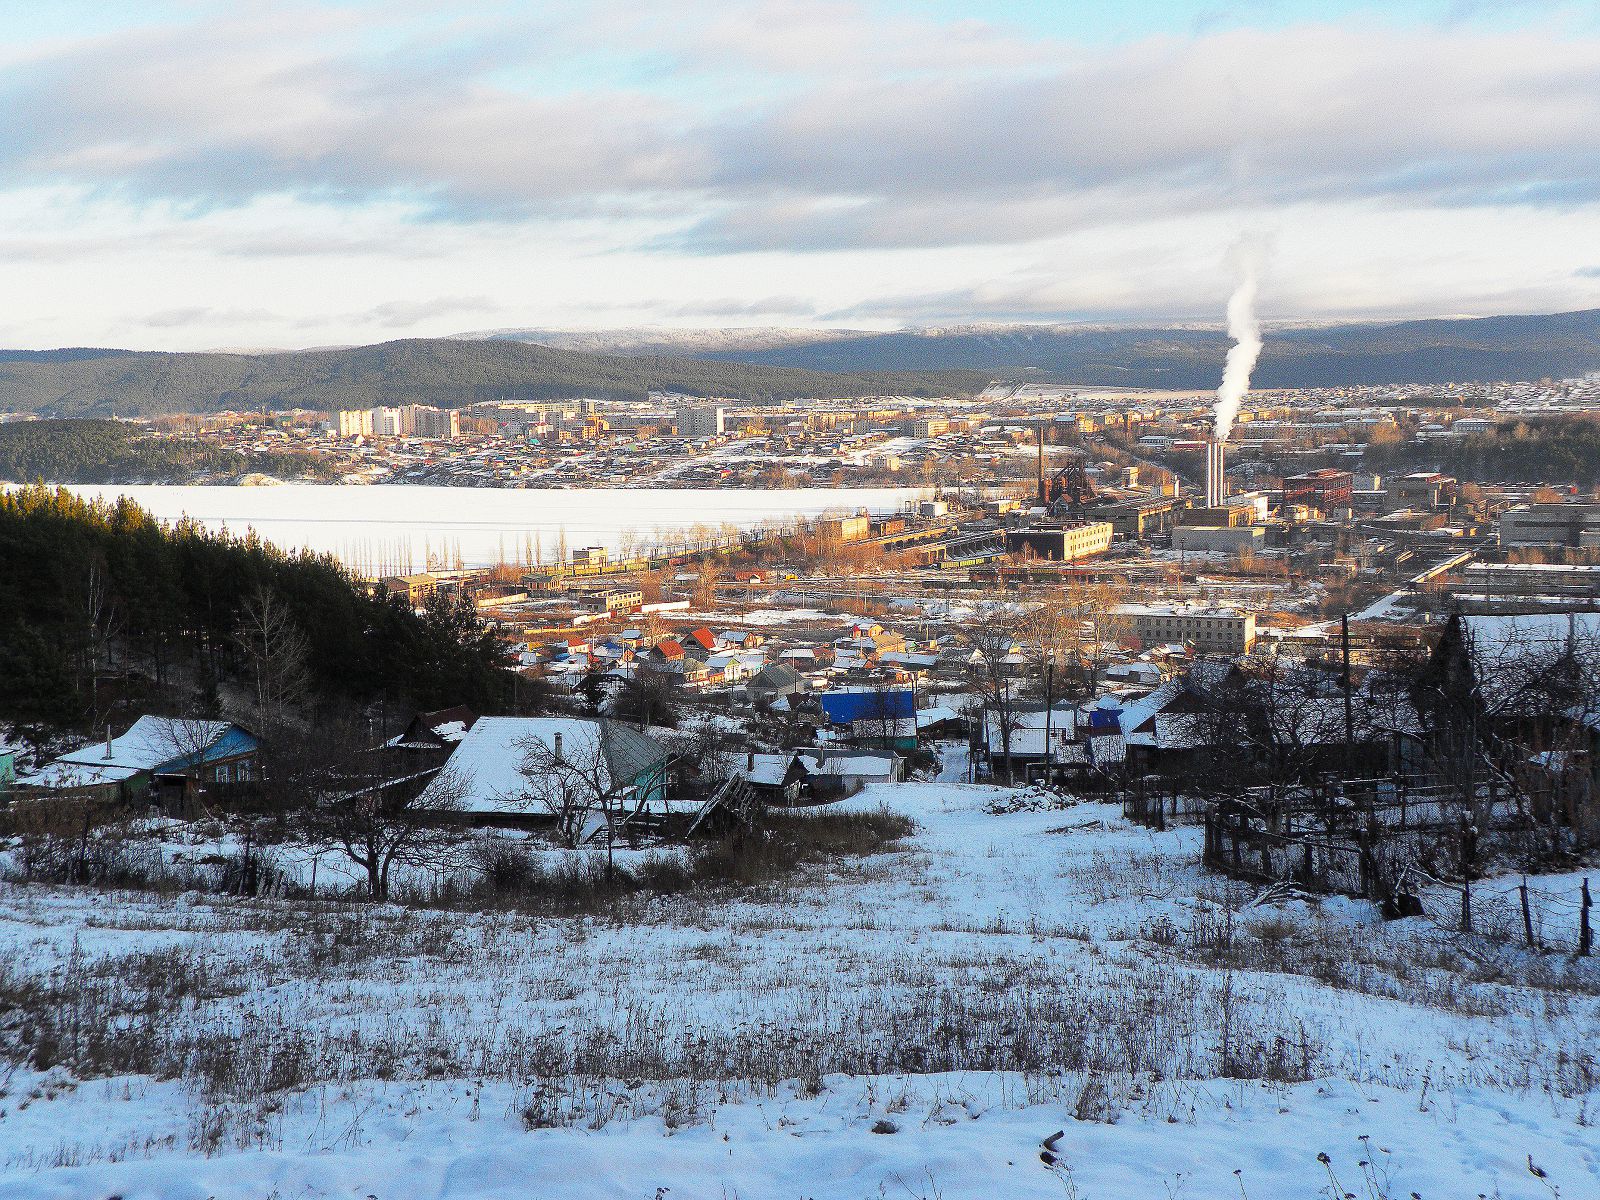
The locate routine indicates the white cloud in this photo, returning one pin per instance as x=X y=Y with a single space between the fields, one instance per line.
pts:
x=265 y=169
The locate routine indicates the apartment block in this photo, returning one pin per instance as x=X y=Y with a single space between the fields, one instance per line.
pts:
x=1212 y=630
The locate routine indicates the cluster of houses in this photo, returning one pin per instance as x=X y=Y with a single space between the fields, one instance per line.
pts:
x=745 y=663
x=858 y=726
x=480 y=771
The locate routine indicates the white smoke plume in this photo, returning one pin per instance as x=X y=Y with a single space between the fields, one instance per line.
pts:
x=1245 y=330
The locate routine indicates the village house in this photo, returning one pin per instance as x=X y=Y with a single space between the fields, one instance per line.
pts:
x=773 y=682
x=702 y=638
x=836 y=773
x=873 y=716
x=775 y=778
x=158 y=759
x=500 y=772
x=1028 y=736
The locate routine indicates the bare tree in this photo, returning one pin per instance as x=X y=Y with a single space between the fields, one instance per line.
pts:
x=992 y=634
x=704 y=596
x=571 y=777
x=187 y=742
x=275 y=652
x=884 y=712
x=1510 y=709
x=1251 y=726
x=380 y=824
x=101 y=624
x=647 y=697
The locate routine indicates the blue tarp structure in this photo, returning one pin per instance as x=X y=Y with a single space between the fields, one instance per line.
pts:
x=844 y=707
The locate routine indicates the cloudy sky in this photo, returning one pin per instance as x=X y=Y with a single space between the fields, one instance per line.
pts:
x=184 y=174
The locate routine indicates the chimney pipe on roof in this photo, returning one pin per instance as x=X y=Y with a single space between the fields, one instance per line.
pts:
x=558 y=747
x=109 y=754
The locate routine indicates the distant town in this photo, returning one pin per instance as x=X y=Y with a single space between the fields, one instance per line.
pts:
x=1029 y=489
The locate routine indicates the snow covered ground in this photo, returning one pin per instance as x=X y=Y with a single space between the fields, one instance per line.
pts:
x=911 y=1024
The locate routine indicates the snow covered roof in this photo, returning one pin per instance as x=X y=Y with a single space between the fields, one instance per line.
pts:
x=768 y=770
x=847 y=762
x=1495 y=634
x=924 y=662
x=488 y=764
x=150 y=743
x=1137 y=712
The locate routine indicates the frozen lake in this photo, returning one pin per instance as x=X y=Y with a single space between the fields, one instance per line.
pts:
x=398 y=527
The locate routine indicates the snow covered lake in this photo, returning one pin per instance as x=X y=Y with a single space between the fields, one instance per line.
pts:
x=386 y=524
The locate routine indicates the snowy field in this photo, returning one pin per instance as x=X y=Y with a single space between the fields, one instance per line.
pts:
x=483 y=524
x=911 y=1024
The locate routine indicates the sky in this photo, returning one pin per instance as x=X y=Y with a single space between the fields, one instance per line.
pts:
x=183 y=174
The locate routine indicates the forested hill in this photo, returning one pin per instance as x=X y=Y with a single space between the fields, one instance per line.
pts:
x=424 y=371
x=91 y=591
x=68 y=451
x=1440 y=351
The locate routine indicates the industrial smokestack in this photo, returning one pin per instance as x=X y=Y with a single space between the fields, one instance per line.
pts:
x=1216 y=474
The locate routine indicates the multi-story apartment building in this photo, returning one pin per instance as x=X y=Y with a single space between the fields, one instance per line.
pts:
x=419 y=420
x=413 y=420
x=701 y=422
x=1212 y=630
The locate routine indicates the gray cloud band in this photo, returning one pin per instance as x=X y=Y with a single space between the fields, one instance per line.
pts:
x=962 y=153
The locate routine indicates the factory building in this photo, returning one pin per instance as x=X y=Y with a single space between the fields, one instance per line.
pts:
x=1324 y=489
x=1063 y=542
x=1551 y=525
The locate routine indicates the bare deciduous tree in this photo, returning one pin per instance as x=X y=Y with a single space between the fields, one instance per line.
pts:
x=380 y=824
x=275 y=653
x=571 y=777
x=992 y=634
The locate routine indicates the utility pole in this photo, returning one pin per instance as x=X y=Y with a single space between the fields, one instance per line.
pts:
x=1349 y=712
x=1049 y=712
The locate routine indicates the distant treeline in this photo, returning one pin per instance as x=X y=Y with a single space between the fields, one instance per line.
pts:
x=64 y=451
x=434 y=371
x=100 y=605
x=1555 y=450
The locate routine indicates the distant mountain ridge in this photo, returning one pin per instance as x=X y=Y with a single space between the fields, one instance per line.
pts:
x=785 y=364
x=1463 y=350
x=1435 y=351
x=437 y=371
